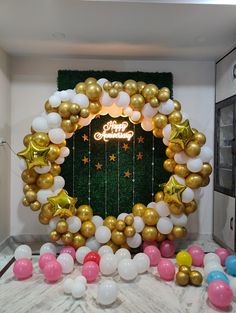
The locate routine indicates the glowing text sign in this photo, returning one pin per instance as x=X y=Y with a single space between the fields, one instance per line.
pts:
x=113 y=130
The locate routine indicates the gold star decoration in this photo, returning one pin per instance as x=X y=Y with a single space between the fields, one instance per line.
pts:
x=125 y=146
x=34 y=155
x=181 y=133
x=64 y=205
x=127 y=174
x=85 y=137
x=98 y=166
x=112 y=157
x=140 y=139
x=139 y=156
x=173 y=191
x=85 y=160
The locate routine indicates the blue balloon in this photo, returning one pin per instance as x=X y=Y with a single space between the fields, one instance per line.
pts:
x=230 y=264
x=217 y=275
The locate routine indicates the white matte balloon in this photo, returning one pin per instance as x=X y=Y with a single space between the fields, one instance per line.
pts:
x=64 y=95
x=164 y=225
x=135 y=116
x=81 y=253
x=187 y=195
x=212 y=266
x=211 y=257
x=165 y=141
x=67 y=285
x=121 y=254
x=64 y=152
x=105 y=250
x=85 y=121
x=107 y=292
x=135 y=241
x=56 y=135
x=43 y=195
x=67 y=262
x=127 y=269
x=69 y=135
x=42 y=169
x=59 y=160
x=179 y=220
x=71 y=93
x=142 y=262
x=48 y=247
x=97 y=220
x=103 y=234
x=123 y=99
x=23 y=251
x=152 y=205
x=93 y=244
x=166 y=131
x=105 y=99
x=148 y=110
x=40 y=124
x=181 y=158
x=122 y=216
x=128 y=111
x=78 y=290
x=180 y=180
x=162 y=209
x=101 y=81
x=194 y=165
x=54 y=120
x=81 y=279
x=74 y=224
x=166 y=107
x=53 y=222
x=22 y=164
x=59 y=183
x=205 y=154
x=108 y=264
x=82 y=100
x=138 y=224
x=54 y=100
x=147 y=124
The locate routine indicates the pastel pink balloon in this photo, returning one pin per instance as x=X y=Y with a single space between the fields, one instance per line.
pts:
x=23 y=268
x=148 y=243
x=52 y=271
x=220 y=294
x=154 y=254
x=166 y=269
x=69 y=250
x=90 y=271
x=45 y=258
x=167 y=249
x=222 y=254
x=197 y=255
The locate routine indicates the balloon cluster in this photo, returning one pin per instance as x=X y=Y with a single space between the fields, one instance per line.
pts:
x=69 y=110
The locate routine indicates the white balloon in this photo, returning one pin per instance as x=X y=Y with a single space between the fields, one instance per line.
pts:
x=74 y=224
x=164 y=225
x=101 y=81
x=23 y=251
x=180 y=180
x=67 y=262
x=82 y=100
x=121 y=254
x=211 y=257
x=187 y=195
x=107 y=292
x=78 y=289
x=166 y=107
x=64 y=95
x=205 y=154
x=103 y=234
x=142 y=262
x=64 y=152
x=81 y=279
x=166 y=131
x=138 y=224
x=71 y=93
x=67 y=285
x=194 y=165
x=22 y=164
x=43 y=169
x=114 y=111
x=56 y=135
x=108 y=264
x=97 y=220
x=179 y=220
x=105 y=99
x=40 y=124
x=147 y=124
x=104 y=110
x=122 y=216
x=59 y=160
x=60 y=242
x=212 y=266
x=123 y=99
x=152 y=205
x=48 y=247
x=148 y=110
x=135 y=241
x=59 y=183
x=162 y=209
x=127 y=269
x=165 y=141
x=128 y=111
x=43 y=195
x=135 y=116
x=54 y=120
x=69 y=135
x=181 y=158
x=105 y=250
x=85 y=121
x=93 y=244
x=53 y=222
x=81 y=253
x=54 y=100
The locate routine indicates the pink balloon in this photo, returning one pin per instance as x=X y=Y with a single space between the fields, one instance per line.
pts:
x=220 y=294
x=167 y=249
x=222 y=254
x=166 y=269
x=69 y=250
x=197 y=255
x=52 y=271
x=45 y=258
x=23 y=268
x=148 y=243
x=154 y=254
x=90 y=271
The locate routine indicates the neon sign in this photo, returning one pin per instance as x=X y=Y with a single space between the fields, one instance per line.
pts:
x=113 y=130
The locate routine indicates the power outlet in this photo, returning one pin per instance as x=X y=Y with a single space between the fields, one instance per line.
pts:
x=2 y=141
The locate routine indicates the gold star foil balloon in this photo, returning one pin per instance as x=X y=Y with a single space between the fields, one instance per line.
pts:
x=34 y=155
x=63 y=204
x=173 y=191
x=181 y=133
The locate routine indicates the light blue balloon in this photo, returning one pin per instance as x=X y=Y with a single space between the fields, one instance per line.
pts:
x=230 y=264
x=217 y=275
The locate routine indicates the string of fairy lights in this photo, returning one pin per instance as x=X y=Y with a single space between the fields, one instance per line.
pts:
x=118 y=176
x=133 y=180
x=89 y=178
x=153 y=164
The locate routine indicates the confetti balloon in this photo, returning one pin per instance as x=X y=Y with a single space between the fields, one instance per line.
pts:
x=23 y=268
x=184 y=258
x=220 y=294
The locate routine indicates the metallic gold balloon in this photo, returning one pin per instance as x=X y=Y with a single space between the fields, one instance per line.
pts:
x=163 y=95
x=176 y=208
x=74 y=119
x=55 y=169
x=90 y=80
x=173 y=191
x=175 y=117
x=62 y=227
x=74 y=108
x=64 y=109
x=159 y=120
x=25 y=202
x=85 y=212
x=62 y=144
x=175 y=147
x=138 y=209
x=120 y=225
x=206 y=170
x=182 y=279
x=49 y=108
x=137 y=102
x=129 y=220
x=181 y=133
x=88 y=229
x=54 y=235
x=141 y=86
x=177 y=105
x=190 y=207
x=80 y=88
x=192 y=149
x=195 y=278
x=160 y=237
x=41 y=139
x=150 y=217
x=169 y=165
x=68 y=126
x=125 y=245
x=194 y=180
x=149 y=233
x=159 y=196
x=47 y=210
x=154 y=102
x=194 y=130
x=185 y=269
x=93 y=91
x=130 y=86
x=43 y=219
x=199 y=138
x=63 y=204
x=110 y=222
x=150 y=91
x=78 y=241
x=157 y=132
x=113 y=92
x=53 y=153
x=205 y=181
x=112 y=245
x=67 y=238
x=169 y=153
x=95 y=107
x=34 y=155
x=28 y=187
x=29 y=176
x=181 y=170
x=27 y=139
x=32 y=130
x=171 y=237
x=84 y=112
x=45 y=181
x=178 y=232
x=31 y=196
x=129 y=231
x=118 y=237
x=118 y=85
x=107 y=86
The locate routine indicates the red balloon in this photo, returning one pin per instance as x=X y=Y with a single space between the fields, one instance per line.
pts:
x=92 y=256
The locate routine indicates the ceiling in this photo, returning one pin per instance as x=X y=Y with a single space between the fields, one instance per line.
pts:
x=117 y=29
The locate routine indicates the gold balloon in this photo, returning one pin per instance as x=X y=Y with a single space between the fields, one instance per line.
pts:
x=41 y=139
x=32 y=130
x=95 y=107
x=113 y=92
x=129 y=220
x=74 y=119
x=199 y=138
x=62 y=227
x=206 y=170
x=159 y=120
x=154 y=102
x=169 y=165
x=125 y=245
x=110 y=222
x=54 y=235
x=62 y=144
x=175 y=147
x=47 y=210
x=118 y=85
x=31 y=196
x=130 y=86
x=80 y=88
x=55 y=169
x=27 y=139
x=29 y=176
x=138 y=209
x=185 y=269
x=173 y=191
x=28 y=187
x=192 y=149
x=74 y=108
x=25 y=202
x=85 y=212
x=176 y=208
x=190 y=207
x=78 y=241
x=129 y=231
x=84 y=113
x=175 y=117
x=181 y=170
x=64 y=109
x=141 y=86
x=34 y=155
x=88 y=229
x=150 y=91
x=157 y=132
x=68 y=126
x=177 y=105
x=67 y=238
x=43 y=219
x=194 y=181
x=63 y=204
x=169 y=153
x=149 y=233
x=150 y=217
x=107 y=86
x=163 y=95
x=205 y=181
x=45 y=181
x=112 y=245
x=181 y=133
x=53 y=153
x=171 y=237
x=182 y=279
x=195 y=278
x=120 y=225
x=137 y=102
x=93 y=91
x=160 y=237
x=118 y=237
x=178 y=232
x=159 y=196
x=90 y=80
x=49 y=108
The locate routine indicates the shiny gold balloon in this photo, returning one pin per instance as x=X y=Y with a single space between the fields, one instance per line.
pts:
x=169 y=165
x=182 y=279
x=64 y=109
x=175 y=147
x=54 y=235
x=169 y=153
x=141 y=86
x=118 y=85
x=150 y=217
x=157 y=132
x=74 y=119
x=31 y=196
x=177 y=105
x=62 y=144
x=68 y=126
x=120 y=225
x=176 y=208
x=178 y=232
x=118 y=237
x=78 y=241
x=150 y=91
x=193 y=149
x=29 y=176
x=80 y=88
x=85 y=212
x=49 y=108
x=95 y=107
x=45 y=181
x=93 y=91
x=130 y=86
x=175 y=117
x=159 y=120
x=160 y=237
x=129 y=231
x=137 y=102
x=149 y=233
x=62 y=227
x=110 y=222
x=195 y=278
x=53 y=153
x=194 y=180
x=107 y=86
x=190 y=207
x=129 y=220
x=28 y=187
x=181 y=170
x=43 y=219
x=55 y=169
x=27 y=139
x=125 y=246
x=32 y=130
x=206 y=170
x=138 y=209
x=159 y=196
x=25 y=202
x=67 y=238
x=41 y=139
x=88 y=229
x=47 y=210
x=205 y=181
x=90 y=80
x=163 y=95
x=84 y=112
x=154 y=102
x=171 y=237
x=113 y=92
x=185 y=269
x=74 y=108
x=112 y=245
x=199 y=138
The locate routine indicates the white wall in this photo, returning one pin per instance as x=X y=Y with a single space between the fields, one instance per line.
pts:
x=34 y=80
x=4 y=150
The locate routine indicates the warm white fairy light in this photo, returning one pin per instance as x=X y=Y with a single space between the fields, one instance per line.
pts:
x=153 y=164
x=105 y=179
x=118 y=175
x=73 y=166
x=89 y=182
x=133 y=180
